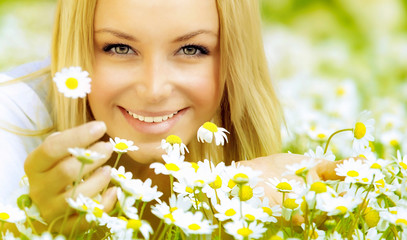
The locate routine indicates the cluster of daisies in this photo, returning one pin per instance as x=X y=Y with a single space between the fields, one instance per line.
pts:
x=214 y=201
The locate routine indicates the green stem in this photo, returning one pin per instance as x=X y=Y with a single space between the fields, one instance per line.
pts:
x=333 y=134
x=117 y=159
x=142 y=209
x=29 y=222
x=73 y=230
x=77 y=180
x=171 y=184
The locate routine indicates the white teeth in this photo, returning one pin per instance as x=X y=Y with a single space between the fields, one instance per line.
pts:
x=152 y=119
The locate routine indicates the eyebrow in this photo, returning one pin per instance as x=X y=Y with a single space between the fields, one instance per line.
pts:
x=182 y=38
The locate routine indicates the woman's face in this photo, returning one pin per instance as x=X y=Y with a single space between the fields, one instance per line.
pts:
x=156 y=70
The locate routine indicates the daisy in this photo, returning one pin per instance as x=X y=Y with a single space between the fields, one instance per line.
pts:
x=362 y=132
x=314 y=233
x=142 y=190
x=228 y=209
x=85 y=156
x=11 y=214
x=73 y=82
x=284 y=185
x=208 y=130
x=319 y=154
x=242 y=175
x=301 y=169
x=338 y=205
x=173 y=143
x=248 y=193
x=127 y=229
x=126 y=204
x=47 y=236
x=291 y=205
x=122 y=145
x=402 y=161
x=241 y=230
x=164 y=211
x=120 y=176
x=271 y=211
x=193 y=223
x=173 y=163
x=396 y=216
x=81 y=204
x=350 y=169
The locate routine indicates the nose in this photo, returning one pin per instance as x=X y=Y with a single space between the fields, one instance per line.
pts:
x=154 y=84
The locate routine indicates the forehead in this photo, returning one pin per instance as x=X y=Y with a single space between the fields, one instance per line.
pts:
x=147 y=14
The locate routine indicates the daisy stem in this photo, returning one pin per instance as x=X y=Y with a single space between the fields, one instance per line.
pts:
x=77 y=180
x=142 y=209
x=29 y=221
x=1 y=227
x=240 y=200
x=333 y=134
x=53 y=222
x=73 y=230
x=117 y=159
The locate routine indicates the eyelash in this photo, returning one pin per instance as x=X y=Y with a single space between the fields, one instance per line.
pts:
x=201 y=50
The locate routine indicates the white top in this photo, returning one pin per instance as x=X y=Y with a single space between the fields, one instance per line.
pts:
x=23 y=106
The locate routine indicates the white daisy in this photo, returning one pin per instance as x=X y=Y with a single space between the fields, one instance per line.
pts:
x=142 y=190
x=402 y=162
x=239 y=174
x=48 y=236
x=126 y=204
x=122 y=145
x=173 y=143
x=73 y=82
x=319 y=154
x=362 y=132
x=351 y=169
x=193 y=223
x=271 y=211
x=338 y=205
x=164 y=211
x=396 y=216
x=242 y=230
x=85 y=156
x=208 y=130
x=11 y=214
x=228 y=209
x=301 y=169
x=284 y=185
x=173 y=163
x=119 y=176
x=127 y=229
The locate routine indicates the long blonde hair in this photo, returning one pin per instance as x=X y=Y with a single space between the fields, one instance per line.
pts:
x=249 y=109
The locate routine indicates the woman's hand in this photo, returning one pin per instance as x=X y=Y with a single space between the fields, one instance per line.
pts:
x=51 y=170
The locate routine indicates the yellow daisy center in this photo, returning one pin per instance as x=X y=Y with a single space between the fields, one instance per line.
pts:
x=352 y=173
x=134 y=224
x=342 y=209
x=313 y=234
x=245 y=232
x=375 y=166
x=340 y=91
x=195 y=166
x=290 y=204
x=121 y=146
x=275 y=237
x=199 y=182
x=189 y=189
x=401 y=220
x=394 y=142
x=4 y=216
x=371 y=145
x=231 y=184
x=301 y=171
x=217 y=183
x=84 y=207
x=268 y=211
x=210 y=126
x=241 y=178
x=403 y=165
x=194 y=227
x=71 y=83
x=321 y=135
x=98 y=212
x=173 y=209
x=318 y=187
x=246 y=193
x=169 y=216
x=371 y=217
x=171 y=167
x=250 y=217
x=173 y=139
x=230 y=212
x=284 y=186
x=360 y=130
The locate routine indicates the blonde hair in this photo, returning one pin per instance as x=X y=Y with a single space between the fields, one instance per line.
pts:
x=249 y=108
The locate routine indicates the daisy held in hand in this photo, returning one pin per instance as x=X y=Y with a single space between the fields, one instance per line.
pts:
x=121 y=146
x=73 y=82
x=208 y=130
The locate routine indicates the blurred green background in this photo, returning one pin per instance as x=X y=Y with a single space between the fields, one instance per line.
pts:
x=330 y=59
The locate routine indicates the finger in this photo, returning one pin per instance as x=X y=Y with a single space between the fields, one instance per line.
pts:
x=55 y=147
x=109 y=199
x=68 y=170
x=326 y=170
x=93 y=185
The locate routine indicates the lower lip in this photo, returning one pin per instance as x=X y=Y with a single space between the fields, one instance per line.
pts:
x=153 y=128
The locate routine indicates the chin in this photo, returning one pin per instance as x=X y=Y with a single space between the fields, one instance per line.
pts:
x=146 y=156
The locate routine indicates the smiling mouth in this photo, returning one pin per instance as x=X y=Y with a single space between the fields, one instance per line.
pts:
x=148 y=119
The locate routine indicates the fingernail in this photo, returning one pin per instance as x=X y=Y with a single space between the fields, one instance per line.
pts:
x=97 y=128
x=107 y=169
x=108 y=146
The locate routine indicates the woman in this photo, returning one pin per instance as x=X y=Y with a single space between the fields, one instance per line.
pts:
x=181 y=63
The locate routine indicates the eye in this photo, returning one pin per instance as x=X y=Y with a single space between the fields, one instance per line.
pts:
x=194 y=50
x=120 y=49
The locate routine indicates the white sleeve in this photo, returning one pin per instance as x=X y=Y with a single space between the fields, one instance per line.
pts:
x=20 y=106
